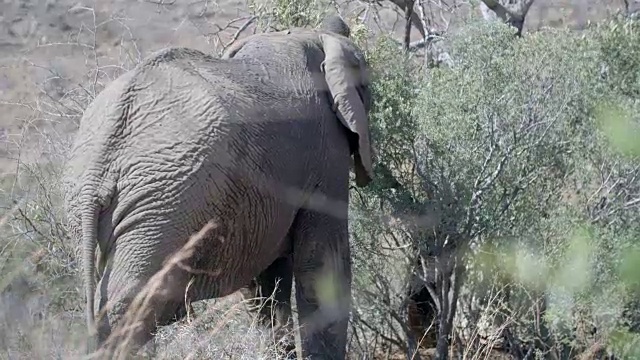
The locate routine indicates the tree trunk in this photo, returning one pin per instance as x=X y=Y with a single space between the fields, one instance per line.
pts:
x=415 y=19
x=450 y=286
x=408 y=12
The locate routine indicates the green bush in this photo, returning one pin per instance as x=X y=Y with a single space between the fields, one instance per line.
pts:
x=523 y=147
x=619 y=44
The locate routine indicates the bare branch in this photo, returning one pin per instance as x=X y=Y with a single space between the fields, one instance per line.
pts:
x=242 y=28
x=514 y=17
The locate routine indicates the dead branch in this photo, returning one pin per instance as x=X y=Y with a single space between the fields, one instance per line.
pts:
x=513 y=16
x=241 y=29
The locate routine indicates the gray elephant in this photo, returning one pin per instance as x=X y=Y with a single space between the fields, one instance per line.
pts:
x=262 y=152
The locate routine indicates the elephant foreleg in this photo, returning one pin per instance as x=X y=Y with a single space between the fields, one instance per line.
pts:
x=322 y=268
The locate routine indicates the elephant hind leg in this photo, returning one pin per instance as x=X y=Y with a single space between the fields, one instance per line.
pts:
x=269 y=296
x=130 y=310
x=322 y=268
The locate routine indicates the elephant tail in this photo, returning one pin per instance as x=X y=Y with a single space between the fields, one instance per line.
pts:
x=89 y=223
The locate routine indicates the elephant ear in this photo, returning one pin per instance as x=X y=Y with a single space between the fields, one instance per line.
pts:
x=347 y=79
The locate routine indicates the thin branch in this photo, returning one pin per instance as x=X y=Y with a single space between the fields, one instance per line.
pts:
x=242 y=28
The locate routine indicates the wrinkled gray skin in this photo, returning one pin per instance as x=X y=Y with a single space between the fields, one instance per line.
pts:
x=270 y=292
x=263 y=151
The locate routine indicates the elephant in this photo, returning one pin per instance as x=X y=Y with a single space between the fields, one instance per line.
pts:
x=253 y=155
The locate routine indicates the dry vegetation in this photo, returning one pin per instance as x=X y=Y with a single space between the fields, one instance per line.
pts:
x=55 y=56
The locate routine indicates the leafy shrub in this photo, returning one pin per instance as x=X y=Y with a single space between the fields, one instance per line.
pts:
x=619 y=44
x=284 y=14
x=519 y=148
